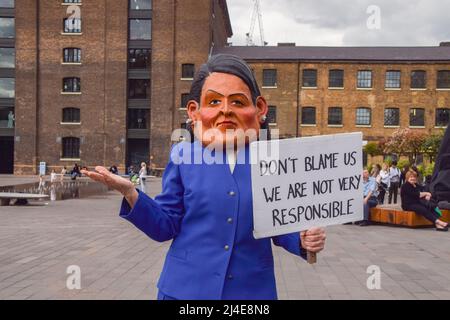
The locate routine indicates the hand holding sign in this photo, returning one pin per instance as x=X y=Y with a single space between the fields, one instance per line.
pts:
x=313 y=241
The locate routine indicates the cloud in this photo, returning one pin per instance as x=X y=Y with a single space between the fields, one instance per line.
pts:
x=337 y=22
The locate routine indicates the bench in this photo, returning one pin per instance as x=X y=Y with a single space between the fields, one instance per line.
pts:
x=6 y=197
x=396 y=216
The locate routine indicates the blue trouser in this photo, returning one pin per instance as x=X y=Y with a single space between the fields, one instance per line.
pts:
x=371 y=203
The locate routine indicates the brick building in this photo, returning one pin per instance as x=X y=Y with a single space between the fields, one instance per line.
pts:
x=98 y=82
x=375 y=90
x=105 y=82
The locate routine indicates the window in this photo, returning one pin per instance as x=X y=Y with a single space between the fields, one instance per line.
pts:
x=138 y=118
x=7 y=26
x=72 y=25
x=6 y=3
x=335 y=116
x=272 y=114
x=336 y=79
x=7 y=117
x=363 y=116
x=71 y=85
x=184 y=100
x=309 y=78
x=71 y=115
x=392 y=79
x=443 y=79
x=7 y=87
x=139 y=89
x=70 y=148
x=309 y=115
x=442 y=117
x=391 y=117
x=417 y=117
x=72 y=1
x=139 y=58
x=364 y=79
x=187 y=71
x=418 y=79
x=72 y=55
x=140 y=4
x=140 y=29
x=269 y=78
x=7 y=57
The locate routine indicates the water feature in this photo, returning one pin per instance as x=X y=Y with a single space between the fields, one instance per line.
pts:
x=61 y=190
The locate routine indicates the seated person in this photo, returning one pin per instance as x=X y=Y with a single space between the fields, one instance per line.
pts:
x=419 y=202
x=370 y=196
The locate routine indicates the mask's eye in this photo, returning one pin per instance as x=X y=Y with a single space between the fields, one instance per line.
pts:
x=214 y=102
x=238 y=103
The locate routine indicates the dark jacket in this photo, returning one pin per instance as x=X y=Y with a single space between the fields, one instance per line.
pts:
x=440 y=183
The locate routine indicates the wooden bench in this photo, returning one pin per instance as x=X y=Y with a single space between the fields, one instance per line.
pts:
x=395 y=216
x=6 y=197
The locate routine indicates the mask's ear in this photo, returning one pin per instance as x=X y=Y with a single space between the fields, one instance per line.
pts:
x=192 y=109
x=263 y=108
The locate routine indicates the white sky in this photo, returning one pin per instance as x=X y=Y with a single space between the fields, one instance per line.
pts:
x=344 y=22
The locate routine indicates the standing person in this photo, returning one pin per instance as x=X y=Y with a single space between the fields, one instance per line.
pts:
x=11 y=119
x=63 y=173
x=142 y=175
x=206 y=208
x=370 y=196
x=415 y=200
x=394 y=182
x=384 y=183
x=53 y=176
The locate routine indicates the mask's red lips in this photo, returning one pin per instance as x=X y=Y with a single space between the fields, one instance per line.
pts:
x=226 y=122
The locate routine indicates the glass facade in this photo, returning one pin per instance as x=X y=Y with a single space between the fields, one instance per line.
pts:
x=140 y=4
x=7 y=57
x=140 y=29
x=7 y=87
x=7 y=28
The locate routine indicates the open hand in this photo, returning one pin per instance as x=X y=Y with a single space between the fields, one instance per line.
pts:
x=313 y=240
x=124 y=186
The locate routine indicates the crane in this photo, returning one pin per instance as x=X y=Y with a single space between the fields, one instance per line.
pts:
x=256 y=14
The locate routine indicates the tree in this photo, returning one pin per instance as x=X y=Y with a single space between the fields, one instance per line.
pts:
x=372 y=149
x=431 y=145
x=406 y=142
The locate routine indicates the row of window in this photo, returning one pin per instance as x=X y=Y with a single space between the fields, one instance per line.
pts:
x=137 y=58
x=140 y=29
x=137 y=118
x=364 y=116
x=418 y=79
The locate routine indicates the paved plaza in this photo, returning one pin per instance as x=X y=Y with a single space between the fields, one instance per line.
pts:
x=40 y=241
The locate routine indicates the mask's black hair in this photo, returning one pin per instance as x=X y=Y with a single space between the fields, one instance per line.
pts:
x=230 y=64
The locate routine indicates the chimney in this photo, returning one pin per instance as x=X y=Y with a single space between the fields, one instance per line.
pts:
x=286 y=44
x=444 y=44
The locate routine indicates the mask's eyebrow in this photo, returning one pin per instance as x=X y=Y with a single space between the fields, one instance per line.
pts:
x=210 y=90
x=231 y=95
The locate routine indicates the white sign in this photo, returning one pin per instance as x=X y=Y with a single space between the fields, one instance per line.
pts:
x=306 y=182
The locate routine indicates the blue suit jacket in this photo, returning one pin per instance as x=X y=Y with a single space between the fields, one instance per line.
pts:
x=208 y=213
